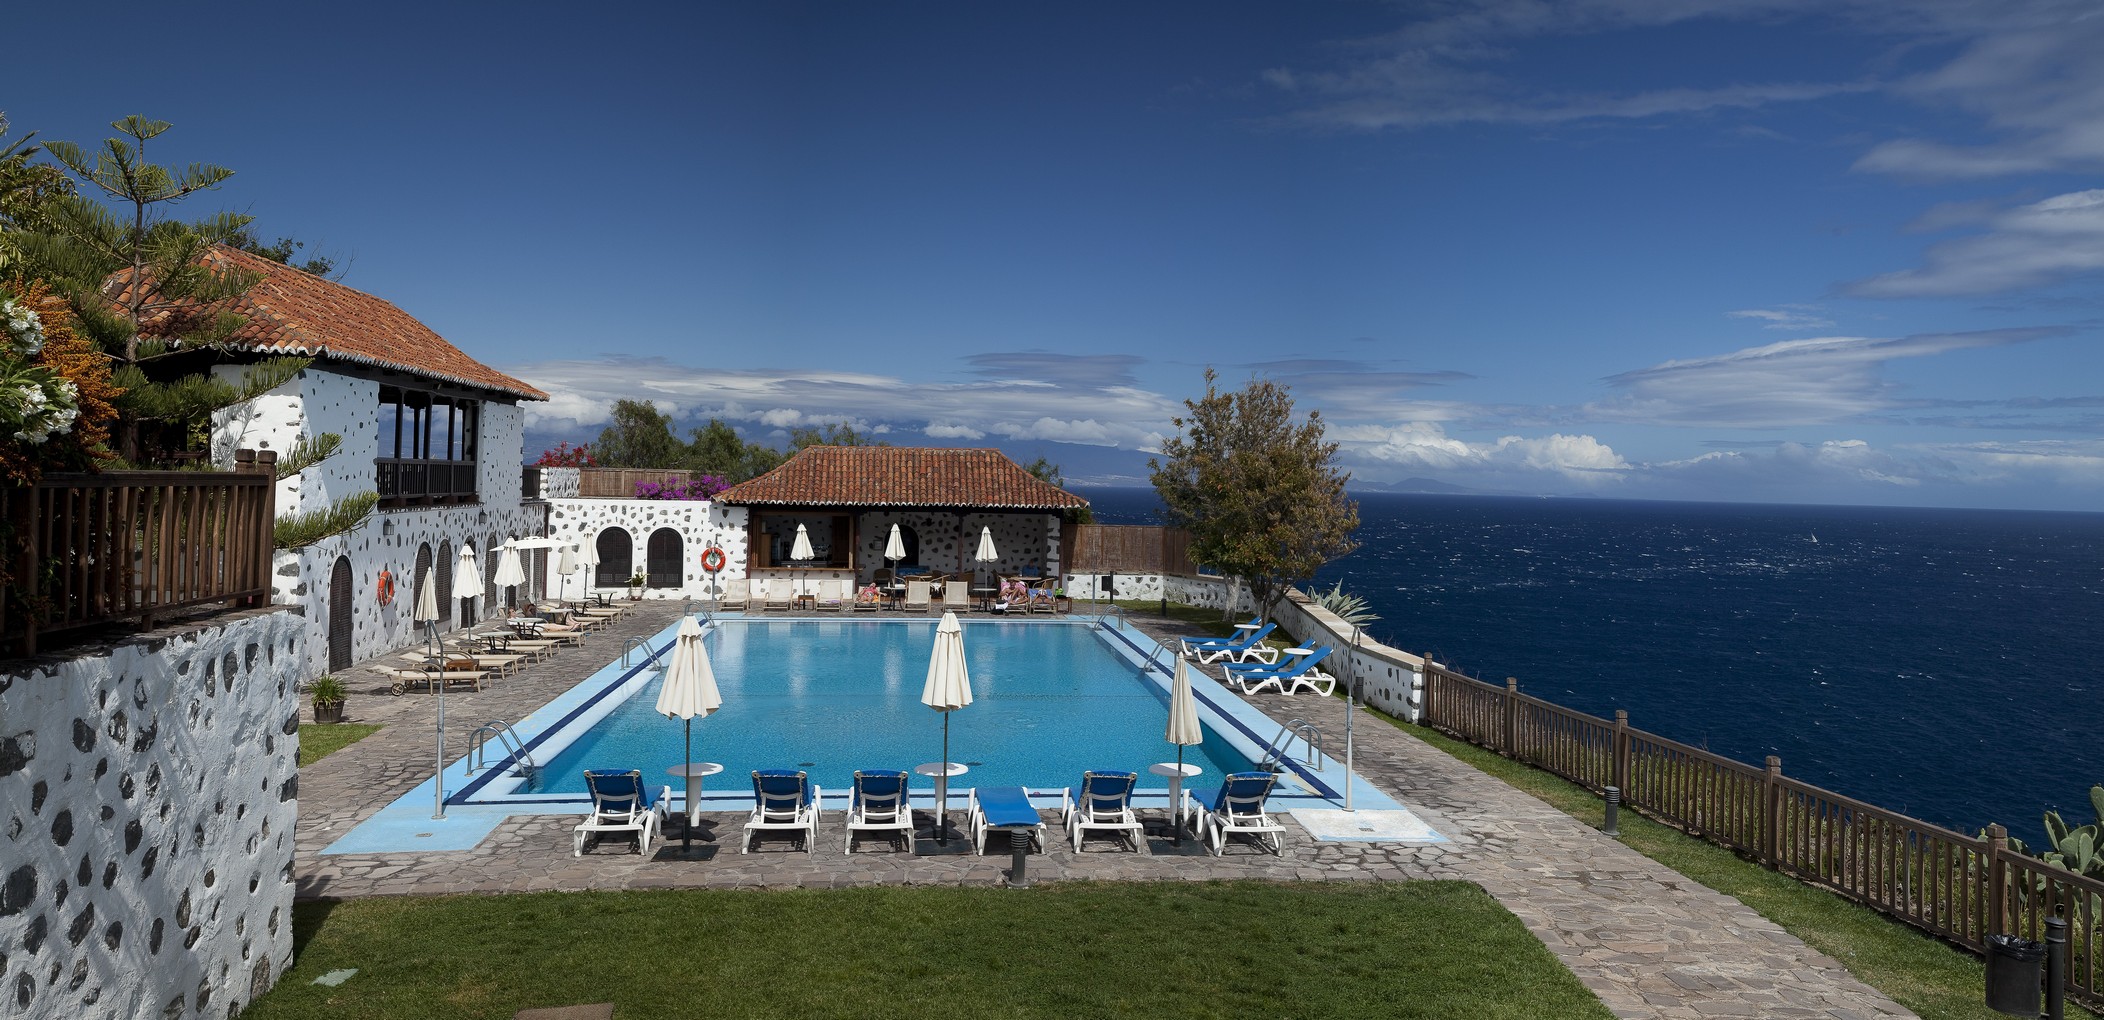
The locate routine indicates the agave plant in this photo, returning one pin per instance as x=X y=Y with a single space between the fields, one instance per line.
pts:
x=2078 y=849
x=1347 y=607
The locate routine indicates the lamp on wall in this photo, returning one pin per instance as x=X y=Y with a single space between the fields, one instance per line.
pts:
x=482 y=517
x=386 y=527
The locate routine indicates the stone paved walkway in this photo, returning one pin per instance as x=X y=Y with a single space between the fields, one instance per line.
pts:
x=1648 y=941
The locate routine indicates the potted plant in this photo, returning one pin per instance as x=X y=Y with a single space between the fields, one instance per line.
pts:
x=1060 y=600
x=329 y=696
x=635 y=586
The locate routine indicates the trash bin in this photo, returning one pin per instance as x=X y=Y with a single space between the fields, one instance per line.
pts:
x=2013 y=981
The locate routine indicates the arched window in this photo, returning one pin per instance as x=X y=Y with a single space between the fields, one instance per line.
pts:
x=616 y=559
x=423 y=567
x=666 y=571
x=445 y=582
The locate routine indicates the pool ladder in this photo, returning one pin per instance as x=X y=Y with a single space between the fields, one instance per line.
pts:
x=632 y=645
x=500 y=731
x=1310 y=737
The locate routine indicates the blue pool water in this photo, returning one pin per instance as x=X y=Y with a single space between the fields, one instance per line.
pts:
x=830 y=697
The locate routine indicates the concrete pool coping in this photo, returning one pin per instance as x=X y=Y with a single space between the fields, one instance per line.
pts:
x=472 y=812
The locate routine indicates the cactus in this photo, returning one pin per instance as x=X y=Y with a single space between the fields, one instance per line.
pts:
x=2077 y=849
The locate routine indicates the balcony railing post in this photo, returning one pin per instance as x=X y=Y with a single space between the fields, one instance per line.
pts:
x=1619 y=769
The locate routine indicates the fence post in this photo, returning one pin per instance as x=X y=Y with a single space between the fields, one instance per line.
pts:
x=27 y=563
x=1618 y=769
x=1772 y=813
x=1997 y=881
x=1512 y=716
x=1424 y=696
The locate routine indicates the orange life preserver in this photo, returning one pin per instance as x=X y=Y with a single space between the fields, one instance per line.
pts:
x=712 y=559
x=386 y=588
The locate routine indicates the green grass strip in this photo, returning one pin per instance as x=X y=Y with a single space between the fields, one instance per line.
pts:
x=1063 y=950
x=319 y=740
x=1931 y=978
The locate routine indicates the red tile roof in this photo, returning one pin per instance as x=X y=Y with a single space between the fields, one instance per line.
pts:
x=292 y=312
x=902 y=476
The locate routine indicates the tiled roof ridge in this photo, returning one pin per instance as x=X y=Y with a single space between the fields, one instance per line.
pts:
x=291 y=311
x=947 y=476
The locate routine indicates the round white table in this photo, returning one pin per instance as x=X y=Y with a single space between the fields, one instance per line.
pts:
x=941 y=776
x=694 y=773
x=1176 y=775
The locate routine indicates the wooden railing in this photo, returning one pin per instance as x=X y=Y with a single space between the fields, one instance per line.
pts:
x=620 y=483
x=1956 y=887
x=89 y=549
x=1130 y=549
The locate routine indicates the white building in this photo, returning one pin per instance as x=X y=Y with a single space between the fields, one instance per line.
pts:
x=436 y=433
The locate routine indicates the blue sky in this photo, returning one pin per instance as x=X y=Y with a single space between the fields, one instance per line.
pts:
x=1762 y=250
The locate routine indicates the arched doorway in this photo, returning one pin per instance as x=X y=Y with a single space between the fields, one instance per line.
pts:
x=911 y=539
x=423 y=568
x=665 y=569
x=617 y=555
x=492 y=555
x=341 y=603
x=445 y=583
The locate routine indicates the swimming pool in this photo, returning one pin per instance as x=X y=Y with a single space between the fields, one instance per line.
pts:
x=830 y=697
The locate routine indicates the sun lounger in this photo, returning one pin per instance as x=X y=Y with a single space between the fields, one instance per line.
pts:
x=1237 y=806
x=916 y=596
x=404 y=679
x=1247 y=648
x=1187 y=645
x=620 y=803
x=832 y=594
x=1105 y=803
x=1287 y=677
x=869 y=598
x=1003 y=809
x=734 y=594
x=957 y=596
x=495 y=665
x=776 y=593
x=784 y=800
x=879 y=804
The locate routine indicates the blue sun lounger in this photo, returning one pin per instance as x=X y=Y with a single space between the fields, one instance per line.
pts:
x=1286 y=677
x=1240 y=649
x=1004 y=809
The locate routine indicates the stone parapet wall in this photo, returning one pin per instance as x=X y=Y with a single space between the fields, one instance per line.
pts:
x=699 y=523
x=147 y=794
x=561 y=482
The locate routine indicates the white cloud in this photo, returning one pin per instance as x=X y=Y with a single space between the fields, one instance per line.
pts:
x=939 y=430
x=2028 y=246
x=1812 y=381
x=1425 y=446
x=1785 y=317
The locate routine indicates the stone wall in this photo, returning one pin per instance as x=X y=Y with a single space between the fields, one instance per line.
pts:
x=1021 y=539
x=561 y=482
x=310 y=404
x=147 y=792
x=699 y=523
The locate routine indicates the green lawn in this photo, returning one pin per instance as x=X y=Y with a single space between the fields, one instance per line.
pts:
x=319 y=740
x=1931 y=978
x=1062 y=950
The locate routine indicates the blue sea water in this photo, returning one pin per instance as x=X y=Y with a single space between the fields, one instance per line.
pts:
x=1941 y=663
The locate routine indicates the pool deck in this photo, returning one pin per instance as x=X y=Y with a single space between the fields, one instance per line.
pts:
x=1649 y=941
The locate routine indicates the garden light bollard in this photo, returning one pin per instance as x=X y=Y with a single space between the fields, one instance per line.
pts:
x=1018 y=877
x=2056 y=967
x=1614 y=812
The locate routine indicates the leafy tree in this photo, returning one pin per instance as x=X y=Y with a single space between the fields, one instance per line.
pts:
x=282 y=252
x=717 y=449
x=25 y=188
x=640 y=436
x=1048 y=472
x=830 y=435
x=162 y=276
x=1259 y=491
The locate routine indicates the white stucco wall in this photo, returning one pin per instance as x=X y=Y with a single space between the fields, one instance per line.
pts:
x=312 y=403
x=147 y=793
x=700 y=523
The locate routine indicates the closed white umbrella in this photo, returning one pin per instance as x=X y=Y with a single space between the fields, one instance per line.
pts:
x=588 y=558
x=1183 y=730
x=565 y=565
x=467 y=579
x=427 y=614
x=800 y=550
x=895 y=546
x=949 y=687
x=510 y=572
x=689 y=691
x=986 y=553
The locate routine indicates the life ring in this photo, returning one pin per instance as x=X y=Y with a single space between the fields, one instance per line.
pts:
x=712 y=559
x=386 y=588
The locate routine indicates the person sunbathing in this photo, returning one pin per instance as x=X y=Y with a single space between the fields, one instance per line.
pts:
x=868 y=594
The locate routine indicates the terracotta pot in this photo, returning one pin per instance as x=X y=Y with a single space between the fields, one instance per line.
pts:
x=328 y=712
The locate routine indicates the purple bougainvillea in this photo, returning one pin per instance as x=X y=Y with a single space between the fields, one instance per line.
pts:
x=698 y=488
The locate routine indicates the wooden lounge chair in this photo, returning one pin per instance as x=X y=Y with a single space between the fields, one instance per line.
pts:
x=957 y=596
x=495 y=665
x=778 y=594
x=404 y=679
x=734 y=594
x=869 y=599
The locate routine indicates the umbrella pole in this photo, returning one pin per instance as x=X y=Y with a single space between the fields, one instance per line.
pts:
x=1175 y=814
x=942 y=811
x=686 y=845
x=438 y=774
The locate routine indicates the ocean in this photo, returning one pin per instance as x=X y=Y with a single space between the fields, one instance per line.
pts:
x=1939 y=663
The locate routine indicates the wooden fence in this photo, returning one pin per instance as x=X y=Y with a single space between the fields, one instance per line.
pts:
x=134 y=545
x=1956 y=887
x=1129 y=549
x=620 y=483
